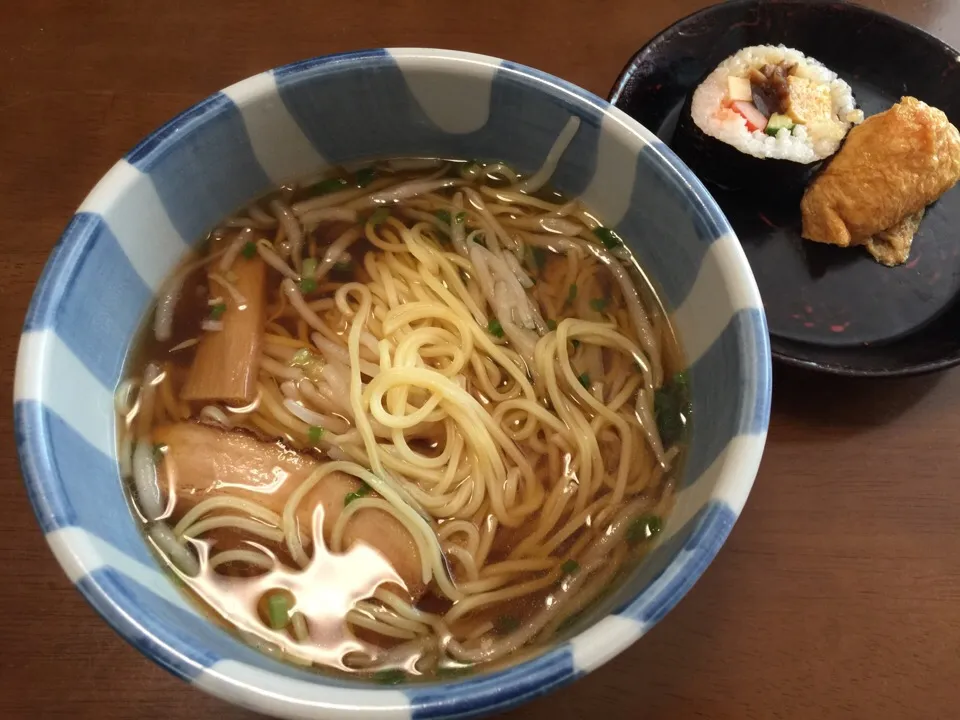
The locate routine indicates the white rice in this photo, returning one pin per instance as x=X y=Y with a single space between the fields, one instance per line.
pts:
x=803 y=144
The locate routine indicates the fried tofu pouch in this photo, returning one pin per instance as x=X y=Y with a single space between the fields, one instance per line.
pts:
x=875 y=189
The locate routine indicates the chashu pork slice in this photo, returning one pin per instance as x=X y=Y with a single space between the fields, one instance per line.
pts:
x=203 y=462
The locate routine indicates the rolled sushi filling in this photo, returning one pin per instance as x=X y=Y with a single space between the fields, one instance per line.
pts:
x=773 y=102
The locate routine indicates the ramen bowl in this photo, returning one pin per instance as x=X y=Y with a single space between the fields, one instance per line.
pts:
x=174 y=186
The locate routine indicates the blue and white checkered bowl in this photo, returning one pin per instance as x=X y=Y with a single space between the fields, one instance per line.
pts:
x=185 y=177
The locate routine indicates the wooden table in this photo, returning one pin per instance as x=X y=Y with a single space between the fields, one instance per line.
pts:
x=838 y=592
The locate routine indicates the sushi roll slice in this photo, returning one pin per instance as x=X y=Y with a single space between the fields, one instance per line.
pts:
x=764 y=120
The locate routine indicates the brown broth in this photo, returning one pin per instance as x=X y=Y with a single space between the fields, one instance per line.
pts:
x=332 y=583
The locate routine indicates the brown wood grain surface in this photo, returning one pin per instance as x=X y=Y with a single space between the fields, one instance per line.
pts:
x=838 y=592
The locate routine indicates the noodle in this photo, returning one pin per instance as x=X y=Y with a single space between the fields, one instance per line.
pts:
x=445 y=354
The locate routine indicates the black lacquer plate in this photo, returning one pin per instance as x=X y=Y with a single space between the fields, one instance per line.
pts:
x=828 y=308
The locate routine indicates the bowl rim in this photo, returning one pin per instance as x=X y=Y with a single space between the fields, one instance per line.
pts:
x=489 y=692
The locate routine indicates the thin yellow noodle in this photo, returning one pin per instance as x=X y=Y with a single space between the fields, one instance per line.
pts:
x=520 y=566
x=462 y=528
x=235 y=522
x=485 y=585
x=225 y=502
x=248 y=557
x=285 y=341
x=424 y=535
x=585 y=441
x=486 y=539
x=580 y=543
x=389 y=242
x=479 y=630
x=389 y=615
x=475 y=602
x=466 y=561
x=394 y=463
x=458 y=468
x=571 y=527
x=277 y=329
x=509 y=197
x=266 y=425
x=321 y=304
x=551 y=512
x=336 y=535
x=355 y=617
x=403 y=608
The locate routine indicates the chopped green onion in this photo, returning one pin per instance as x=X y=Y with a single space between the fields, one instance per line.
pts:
x=301 y=357
x=572 y=293
x=551 y=324
x=365 y=176
x=378 y=216
x=570 y=567
x=608 y=237
x=249 y=250
x=644 y=528
x=599 y=304
x=453 y=672
x=505 y=624
x=461 y=216
x=278 y=611
x=362 y=491
x=309 y=267
x=393 y=676
x=327 y=186
x=217 y=311
x=671 y=408
x=443 y=216
x=495 y=328
x=584 y=380
x=315 y=433
x=308 y=285
x=230 y=275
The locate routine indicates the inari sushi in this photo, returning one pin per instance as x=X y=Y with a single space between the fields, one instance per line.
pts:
x=765 y=119
x=875 y=191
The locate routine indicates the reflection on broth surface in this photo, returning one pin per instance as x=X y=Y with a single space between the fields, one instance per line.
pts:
x=404 y=419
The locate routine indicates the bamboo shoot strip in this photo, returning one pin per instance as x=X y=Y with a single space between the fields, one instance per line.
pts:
x=226 y=364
